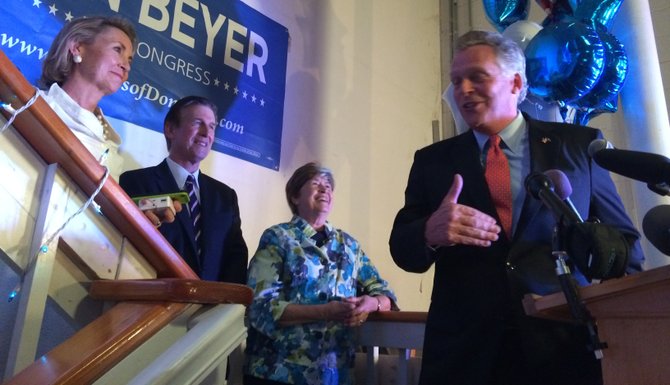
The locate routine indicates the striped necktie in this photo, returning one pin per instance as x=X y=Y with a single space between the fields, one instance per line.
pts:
x=194 y=209
x=498 y=178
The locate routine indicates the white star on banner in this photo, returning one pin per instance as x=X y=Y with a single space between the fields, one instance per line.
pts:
x=236 y=90
x=68 y=16
x=216 y=82
x=53 y=9
x=253 y=98
x=36 y=3
x=262 y=102
x=244 y=94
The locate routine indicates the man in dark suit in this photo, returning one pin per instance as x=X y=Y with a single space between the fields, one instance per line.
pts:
x=487 y=255
x=220 y=253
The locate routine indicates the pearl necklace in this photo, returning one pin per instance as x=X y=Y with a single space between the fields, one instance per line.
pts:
x=105 y=126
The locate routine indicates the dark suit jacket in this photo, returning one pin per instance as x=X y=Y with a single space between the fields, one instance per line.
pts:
x=476 y=332
x=224 y=252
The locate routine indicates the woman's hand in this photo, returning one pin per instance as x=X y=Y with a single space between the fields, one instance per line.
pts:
x=338 y=310
x=362 y=307
x=349 y=311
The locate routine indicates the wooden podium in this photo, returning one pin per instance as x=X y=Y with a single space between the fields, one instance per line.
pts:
x=633 y=317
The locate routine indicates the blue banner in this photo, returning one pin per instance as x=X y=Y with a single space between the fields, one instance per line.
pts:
x=221 y=49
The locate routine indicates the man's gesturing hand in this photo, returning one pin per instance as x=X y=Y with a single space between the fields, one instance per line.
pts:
x=453 y=223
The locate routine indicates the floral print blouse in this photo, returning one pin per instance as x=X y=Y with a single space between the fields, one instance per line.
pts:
x=290 y=266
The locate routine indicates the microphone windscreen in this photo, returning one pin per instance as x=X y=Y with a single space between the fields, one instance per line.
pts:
x=536 y=182
x=643 y=166
x=598 y=145
x=656 y=227
x=562 y=186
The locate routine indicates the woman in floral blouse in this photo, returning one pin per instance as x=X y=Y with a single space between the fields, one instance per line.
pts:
x=313 y=283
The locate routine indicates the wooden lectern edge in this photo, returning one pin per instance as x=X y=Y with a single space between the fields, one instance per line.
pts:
x=554 y=306
x=171 y=290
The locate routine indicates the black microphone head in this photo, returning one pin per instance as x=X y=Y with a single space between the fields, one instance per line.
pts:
x=536 y=182
x=656 y=227
x=598 y=145
x=562 y=185
x=643 y=166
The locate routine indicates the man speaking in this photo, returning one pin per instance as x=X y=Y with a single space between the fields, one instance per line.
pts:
x=467 y=212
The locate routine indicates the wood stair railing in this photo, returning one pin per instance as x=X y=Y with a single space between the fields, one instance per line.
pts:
x=104 y=342
x=171 y=290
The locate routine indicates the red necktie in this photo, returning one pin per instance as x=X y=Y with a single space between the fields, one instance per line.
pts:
x=500 y=185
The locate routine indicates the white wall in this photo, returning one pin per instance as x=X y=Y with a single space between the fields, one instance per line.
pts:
x=660 y=14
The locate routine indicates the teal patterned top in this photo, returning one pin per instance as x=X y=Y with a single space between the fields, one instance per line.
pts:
x=289 y=267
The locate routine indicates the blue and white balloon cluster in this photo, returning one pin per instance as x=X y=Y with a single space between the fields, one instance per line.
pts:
x=572 y=61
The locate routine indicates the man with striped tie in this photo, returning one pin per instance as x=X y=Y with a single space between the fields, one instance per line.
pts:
x=207 y=232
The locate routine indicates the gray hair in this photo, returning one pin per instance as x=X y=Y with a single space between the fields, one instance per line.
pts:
x=58 y=63
x=510 y=56
x=303 y=175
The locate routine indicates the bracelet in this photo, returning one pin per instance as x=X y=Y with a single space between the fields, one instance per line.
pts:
x=379 y=303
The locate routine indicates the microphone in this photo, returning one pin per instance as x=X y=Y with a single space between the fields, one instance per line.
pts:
x=562 y=188
x=652 y=169
x=541 y=187
x=599 y=144
x=656 y=227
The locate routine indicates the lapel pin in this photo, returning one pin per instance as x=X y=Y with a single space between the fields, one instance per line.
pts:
x=546 y=140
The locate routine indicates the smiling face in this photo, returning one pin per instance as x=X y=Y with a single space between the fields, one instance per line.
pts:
x=191 y=139
x=105 y=62
x=486 y=96
x=315 y=200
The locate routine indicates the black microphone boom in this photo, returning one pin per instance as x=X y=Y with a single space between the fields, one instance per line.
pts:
x=650 y=168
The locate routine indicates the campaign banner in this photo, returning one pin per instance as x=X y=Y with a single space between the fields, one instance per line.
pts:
x=220 y=49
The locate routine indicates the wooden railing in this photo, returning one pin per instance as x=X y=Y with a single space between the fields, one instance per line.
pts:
x=398 y=330
x=101 y=344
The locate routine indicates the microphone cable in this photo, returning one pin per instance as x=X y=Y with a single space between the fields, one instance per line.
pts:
x=14 y=113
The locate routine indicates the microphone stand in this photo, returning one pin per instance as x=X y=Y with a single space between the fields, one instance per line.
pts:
x=577 y=307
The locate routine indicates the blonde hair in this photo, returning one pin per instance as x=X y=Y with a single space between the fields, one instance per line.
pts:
x=58 y=63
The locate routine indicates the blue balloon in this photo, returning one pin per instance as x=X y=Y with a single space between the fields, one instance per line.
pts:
x=502 y=13
x=582 y=116
x=541 y=110
x=598 y=12
x=574 y=4
x=604 y=94
x=564 y=61
x=557 y=10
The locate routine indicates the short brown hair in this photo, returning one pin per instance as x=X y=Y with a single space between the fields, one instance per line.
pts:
x=303 y=175
x=58 y=63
